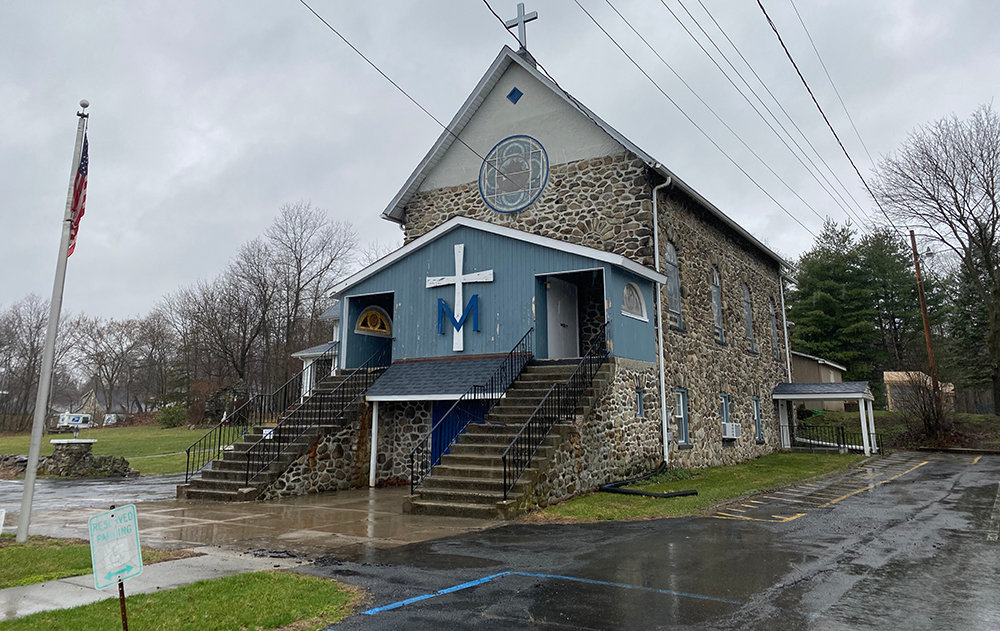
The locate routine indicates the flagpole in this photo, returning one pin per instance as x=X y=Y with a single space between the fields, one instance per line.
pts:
x=48 y=354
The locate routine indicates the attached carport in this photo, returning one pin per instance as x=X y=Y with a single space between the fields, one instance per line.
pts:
x=785 y=393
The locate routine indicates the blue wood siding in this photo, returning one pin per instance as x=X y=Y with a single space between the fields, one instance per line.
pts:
x=508 y=306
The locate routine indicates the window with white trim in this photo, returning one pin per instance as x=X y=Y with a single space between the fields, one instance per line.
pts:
x=724 y=407
x=720 y=334
x=633 y=304
x=673 y=287
x=748 y=319
x=681 y=416
x=757 y=420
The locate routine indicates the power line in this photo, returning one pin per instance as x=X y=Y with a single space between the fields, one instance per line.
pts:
x=710 y=109
x=832 y=84
x=783 y=111
x=823 y=114
x=691 y=120
x=839 y=202
x=394 y=84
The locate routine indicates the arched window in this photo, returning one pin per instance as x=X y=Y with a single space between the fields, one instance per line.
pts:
x=720 y=335
x=374 y=321
x=632 y=302
x=748 y=319
x=774 y=333
x=673 y=288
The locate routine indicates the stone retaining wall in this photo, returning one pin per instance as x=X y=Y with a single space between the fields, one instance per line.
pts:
x=336 y=461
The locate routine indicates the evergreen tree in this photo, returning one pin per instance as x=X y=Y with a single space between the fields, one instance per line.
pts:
x=832 y=305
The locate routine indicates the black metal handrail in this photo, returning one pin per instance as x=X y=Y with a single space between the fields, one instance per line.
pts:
x=454 y=422
x=320 y=408
x=559 y=403
x=259 y=409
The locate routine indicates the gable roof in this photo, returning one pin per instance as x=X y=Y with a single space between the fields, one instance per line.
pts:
x=546 y=242
x=396 y=208
x=821 y=361
x=840 y=391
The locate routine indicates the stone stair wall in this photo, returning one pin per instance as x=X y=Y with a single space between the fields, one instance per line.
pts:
x=469 y=480
x=224 y=479
x=605 y=444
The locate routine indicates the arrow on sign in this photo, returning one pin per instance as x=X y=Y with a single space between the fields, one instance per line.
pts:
x=124 y=570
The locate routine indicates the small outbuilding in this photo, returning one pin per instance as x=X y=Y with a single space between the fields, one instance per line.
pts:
x=786 y=395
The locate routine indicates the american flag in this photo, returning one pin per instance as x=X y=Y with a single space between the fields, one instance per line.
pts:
x=79 y=198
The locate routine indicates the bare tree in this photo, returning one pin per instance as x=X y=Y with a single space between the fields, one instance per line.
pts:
x=373 y=251
x=309 y=253
x=108 y=348
x=945 y=181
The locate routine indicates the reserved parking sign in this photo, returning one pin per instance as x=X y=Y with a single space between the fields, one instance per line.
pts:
x=114 y=546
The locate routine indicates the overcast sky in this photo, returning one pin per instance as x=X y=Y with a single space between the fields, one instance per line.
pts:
x=207 y=116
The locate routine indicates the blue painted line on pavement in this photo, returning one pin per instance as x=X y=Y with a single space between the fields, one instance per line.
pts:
x=446 y=590
x=589 y=581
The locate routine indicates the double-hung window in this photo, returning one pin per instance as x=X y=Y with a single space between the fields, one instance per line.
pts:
x=724 y=407
x=681 y=416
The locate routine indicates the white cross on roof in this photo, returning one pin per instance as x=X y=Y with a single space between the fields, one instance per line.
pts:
x=519 y=22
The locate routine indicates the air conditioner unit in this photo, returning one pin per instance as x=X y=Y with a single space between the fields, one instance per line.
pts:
x=731 y=431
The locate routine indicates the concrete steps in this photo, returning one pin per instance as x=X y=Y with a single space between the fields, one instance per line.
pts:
x=469 y=480
x=224 y=479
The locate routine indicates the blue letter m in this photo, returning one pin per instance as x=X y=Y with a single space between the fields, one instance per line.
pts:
x=445 y=310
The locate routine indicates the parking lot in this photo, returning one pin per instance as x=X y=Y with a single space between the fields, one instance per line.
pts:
x=906 y=541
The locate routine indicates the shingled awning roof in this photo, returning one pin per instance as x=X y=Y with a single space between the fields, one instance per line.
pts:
x=838 y=391
x=432 y=379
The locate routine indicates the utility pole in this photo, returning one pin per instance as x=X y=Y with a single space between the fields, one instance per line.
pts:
x=927 y=330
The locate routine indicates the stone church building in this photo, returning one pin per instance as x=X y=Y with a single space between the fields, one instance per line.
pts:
x=535 y=231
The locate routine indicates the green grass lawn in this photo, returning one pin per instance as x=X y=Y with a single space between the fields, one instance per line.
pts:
x=151 y=450
x=43 y=559
x=714 y=485
x=260 y=600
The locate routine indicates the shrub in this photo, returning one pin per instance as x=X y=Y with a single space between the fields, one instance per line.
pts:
x=172 y=416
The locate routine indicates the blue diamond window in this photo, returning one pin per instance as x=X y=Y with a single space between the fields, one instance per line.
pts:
x=514 y=96
x=513 y=174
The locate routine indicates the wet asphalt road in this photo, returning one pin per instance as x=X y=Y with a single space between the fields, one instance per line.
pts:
x=908 y=542
x=71 y=493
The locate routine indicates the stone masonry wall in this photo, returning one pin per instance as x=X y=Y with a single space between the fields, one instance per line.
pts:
x=603 y=203
x=695 y=361
x=401 y=426
x=611 y=442
x=337 y=460
x=606 y=203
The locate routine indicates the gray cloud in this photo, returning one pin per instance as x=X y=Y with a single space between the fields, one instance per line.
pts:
x=207 y=116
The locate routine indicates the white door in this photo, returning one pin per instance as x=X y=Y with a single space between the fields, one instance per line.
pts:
x=563 y=321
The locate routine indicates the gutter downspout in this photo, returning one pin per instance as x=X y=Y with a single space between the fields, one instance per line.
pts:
x=659 y=317
x=784 y=323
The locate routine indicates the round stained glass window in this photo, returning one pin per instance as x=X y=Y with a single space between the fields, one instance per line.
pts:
x=513 y=174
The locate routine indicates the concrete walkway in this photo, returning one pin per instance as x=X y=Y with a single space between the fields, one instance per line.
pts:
x=349 y=525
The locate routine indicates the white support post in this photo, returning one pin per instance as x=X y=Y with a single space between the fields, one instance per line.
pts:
x=786 y=436
x=373 y=457
x=871 y=424
x=308 y=376
x=862 y=408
